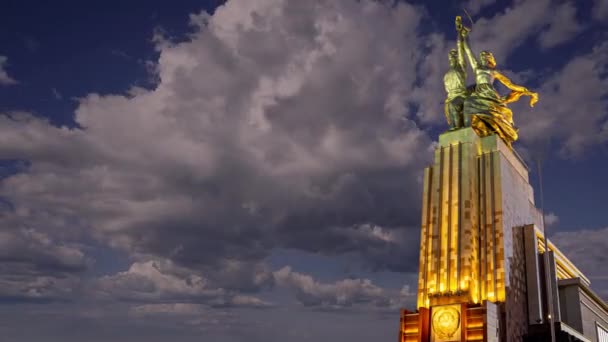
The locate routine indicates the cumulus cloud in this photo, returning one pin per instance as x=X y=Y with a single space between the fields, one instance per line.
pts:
x=572 y=109
x=562 y=26
x=35 y=267
x=5 y=79
x=505 y=31
x=343 y=293
x=588 y=249
x=164 y=283
x=474 y=6
x=275 y=124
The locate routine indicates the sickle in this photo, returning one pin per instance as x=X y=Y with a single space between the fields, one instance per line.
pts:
x=468 y=16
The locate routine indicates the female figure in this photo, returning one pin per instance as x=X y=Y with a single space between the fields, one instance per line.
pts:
x=485 y=110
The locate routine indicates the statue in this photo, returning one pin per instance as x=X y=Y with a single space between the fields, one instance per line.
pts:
x=484 y=109
x=454 y=82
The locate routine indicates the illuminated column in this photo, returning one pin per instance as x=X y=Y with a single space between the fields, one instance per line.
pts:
x=469 y=221
x=475 y=192
x=449 y=246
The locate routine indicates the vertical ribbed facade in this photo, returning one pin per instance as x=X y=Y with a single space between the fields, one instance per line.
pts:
x=480 y=276
x=462 y=247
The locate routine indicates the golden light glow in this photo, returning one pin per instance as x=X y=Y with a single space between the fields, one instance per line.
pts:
x=462 y=244
x=445 y=322
x=501 y=294
x=475 y=337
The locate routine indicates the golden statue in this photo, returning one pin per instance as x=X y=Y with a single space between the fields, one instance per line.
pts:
x=455 y=82
x=484 y=109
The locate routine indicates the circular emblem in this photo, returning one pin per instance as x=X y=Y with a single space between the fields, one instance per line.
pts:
x=446 y=322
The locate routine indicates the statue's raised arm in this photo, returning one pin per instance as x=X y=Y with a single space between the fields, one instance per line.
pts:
x=460 y=43
x=463 y=33
x=484 y=109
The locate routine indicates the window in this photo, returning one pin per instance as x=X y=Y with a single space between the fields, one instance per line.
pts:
x=602 y=333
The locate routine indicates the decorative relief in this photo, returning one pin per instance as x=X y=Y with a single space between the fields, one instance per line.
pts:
x=446 y=323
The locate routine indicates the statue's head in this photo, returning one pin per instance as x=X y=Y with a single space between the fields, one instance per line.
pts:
x=453 y=56
x=487 y=59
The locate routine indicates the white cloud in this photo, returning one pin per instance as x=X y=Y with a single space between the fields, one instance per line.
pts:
x=342 y=293
x=295 y=106
x=154 y=281
x=505 y=31
x=572 y=106
x=562 y=26
x=275 y=124
x=5 y=79
x=36 y=267
x=551 y=219
x=164 y=282
x=474 y=6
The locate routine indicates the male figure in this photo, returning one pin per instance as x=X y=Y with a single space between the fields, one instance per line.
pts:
x=455 y=82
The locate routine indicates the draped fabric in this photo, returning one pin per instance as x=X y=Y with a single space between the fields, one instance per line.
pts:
x=488 y=113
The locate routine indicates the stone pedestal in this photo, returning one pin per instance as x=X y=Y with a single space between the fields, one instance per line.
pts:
x=475 y=193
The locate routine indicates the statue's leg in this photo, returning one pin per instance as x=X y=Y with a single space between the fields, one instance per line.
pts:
x=458 y=111
x=466 y=113
x=448 y=114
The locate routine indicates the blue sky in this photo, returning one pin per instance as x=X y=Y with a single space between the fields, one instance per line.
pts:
x=211 y=168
